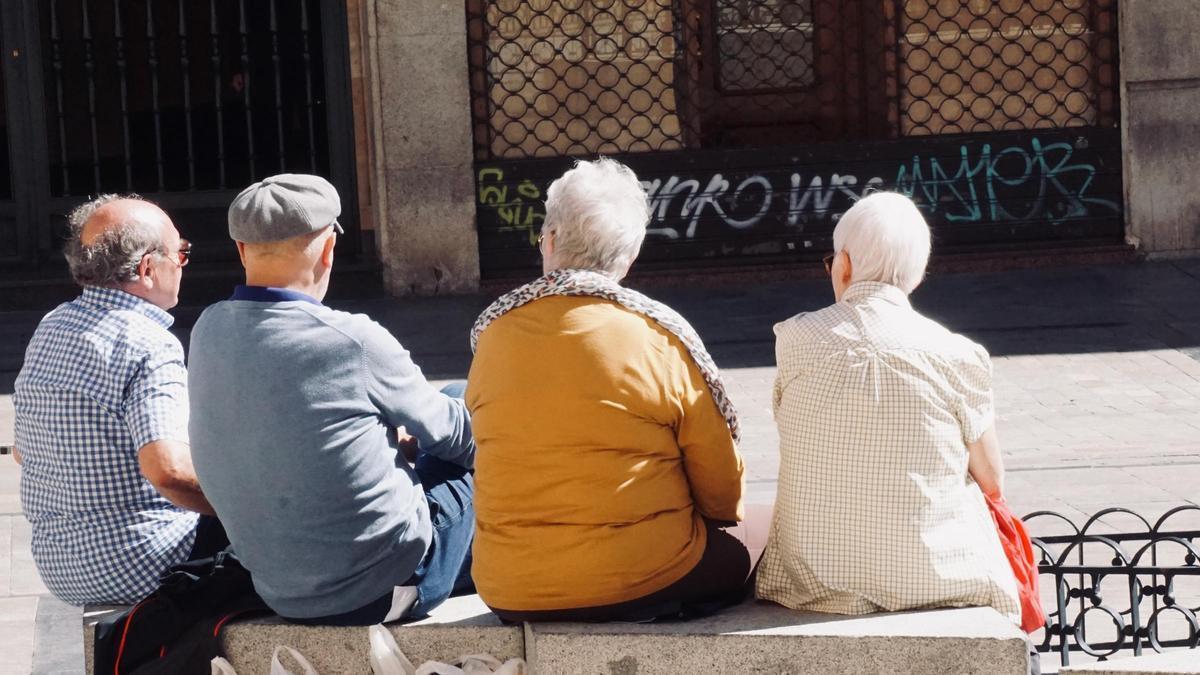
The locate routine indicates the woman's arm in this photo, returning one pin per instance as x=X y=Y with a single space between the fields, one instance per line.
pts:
x=986 y=465
x=711 y=460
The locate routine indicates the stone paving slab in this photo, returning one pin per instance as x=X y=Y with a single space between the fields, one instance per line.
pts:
x=17 y=628
x=57 y=647
x=1183 y=662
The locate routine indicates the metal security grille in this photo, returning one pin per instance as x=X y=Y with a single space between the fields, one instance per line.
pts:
x=764 y=45
x=575 y=77
x=178 y=96
x=568 y=77
x=987 y=65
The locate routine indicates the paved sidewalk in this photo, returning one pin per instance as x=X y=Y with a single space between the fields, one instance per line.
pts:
x=1097 y=389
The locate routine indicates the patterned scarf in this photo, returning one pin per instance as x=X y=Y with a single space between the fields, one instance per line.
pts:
x=584 y=282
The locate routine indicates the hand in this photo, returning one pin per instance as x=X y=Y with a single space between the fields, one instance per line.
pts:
x=408 y=445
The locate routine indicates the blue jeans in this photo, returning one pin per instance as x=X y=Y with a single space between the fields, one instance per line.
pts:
x=446 y=568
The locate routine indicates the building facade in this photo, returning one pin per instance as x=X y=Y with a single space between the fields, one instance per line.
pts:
x=1015 y=124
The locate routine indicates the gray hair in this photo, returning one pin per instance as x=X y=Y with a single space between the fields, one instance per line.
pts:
x=887 y=240
x=111 y=259
x=598 y=212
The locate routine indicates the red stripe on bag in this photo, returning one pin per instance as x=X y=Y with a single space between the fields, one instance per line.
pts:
x=125 y=634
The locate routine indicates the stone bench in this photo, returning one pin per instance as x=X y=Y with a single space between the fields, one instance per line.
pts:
x=750 y=638
x=1182 y=662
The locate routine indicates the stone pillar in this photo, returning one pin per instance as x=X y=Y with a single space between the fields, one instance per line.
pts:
x=423 y=179
x=1160 y=92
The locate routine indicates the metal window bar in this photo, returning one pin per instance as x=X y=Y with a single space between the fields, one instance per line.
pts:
x=1140 y=563
x=570 y=77
x=218 y=90
x=244 y=44
x=122 y=75
x=275 y=65
x=89 y=65
x=155 y=107
x=309 y=102
x=56 y=61
x=186 y=84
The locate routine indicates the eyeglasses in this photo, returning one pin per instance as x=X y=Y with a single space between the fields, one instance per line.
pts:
x=181 y=256
x=828 y=260
x=185 y=252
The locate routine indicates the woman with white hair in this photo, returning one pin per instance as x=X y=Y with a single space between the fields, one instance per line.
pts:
x=887 y=445
x=607 y=461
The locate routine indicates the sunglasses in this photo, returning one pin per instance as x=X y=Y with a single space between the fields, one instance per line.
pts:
x=181 y=257
x=185 y=252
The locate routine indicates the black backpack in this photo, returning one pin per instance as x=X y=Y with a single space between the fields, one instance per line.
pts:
x=176 y=629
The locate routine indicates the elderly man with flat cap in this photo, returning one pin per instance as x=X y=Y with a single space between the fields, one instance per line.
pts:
x=101 y=415
x=296 y=409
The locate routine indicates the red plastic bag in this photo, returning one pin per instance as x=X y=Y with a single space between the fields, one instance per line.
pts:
x=1014 y=538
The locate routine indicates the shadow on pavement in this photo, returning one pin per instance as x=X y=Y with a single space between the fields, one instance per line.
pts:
x=1068 y=310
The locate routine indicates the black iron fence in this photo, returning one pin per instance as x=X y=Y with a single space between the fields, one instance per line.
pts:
x=1120 y=588
x=553 y=78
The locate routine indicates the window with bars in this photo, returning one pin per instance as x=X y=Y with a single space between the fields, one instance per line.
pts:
x=181 y=95
x=576 y=77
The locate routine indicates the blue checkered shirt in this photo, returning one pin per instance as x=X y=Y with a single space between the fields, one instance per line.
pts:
x=102 y=377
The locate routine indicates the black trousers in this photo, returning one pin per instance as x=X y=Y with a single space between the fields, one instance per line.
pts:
x=721 y=579
x=210 y=538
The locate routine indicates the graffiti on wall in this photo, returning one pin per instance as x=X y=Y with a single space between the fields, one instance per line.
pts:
x=521 y=210
x=1031 y=178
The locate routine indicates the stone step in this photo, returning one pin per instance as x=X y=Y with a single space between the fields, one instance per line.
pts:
x=767 y=638
x=751 y=638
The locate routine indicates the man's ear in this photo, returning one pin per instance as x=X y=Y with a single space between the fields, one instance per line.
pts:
x=145 y=272
x=241 y=247
x=847 y=269
x=327 y=250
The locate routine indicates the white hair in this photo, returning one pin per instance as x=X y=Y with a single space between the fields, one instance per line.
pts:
x=598 y=212
x=887 y=240
x=113 y=257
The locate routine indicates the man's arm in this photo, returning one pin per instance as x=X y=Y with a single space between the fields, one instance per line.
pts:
x=439 y=423
x=16 y=455
x=168 y=466
x=986 y=465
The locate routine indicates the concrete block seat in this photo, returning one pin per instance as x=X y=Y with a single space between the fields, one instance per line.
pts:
x=460 y=626
x=767 y=638
x=1181 y=662
x=751 y=638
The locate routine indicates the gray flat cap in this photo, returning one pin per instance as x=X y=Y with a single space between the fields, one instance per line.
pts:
x=282 y=207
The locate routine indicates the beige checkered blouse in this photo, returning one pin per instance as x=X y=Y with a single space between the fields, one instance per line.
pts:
x=875 y=511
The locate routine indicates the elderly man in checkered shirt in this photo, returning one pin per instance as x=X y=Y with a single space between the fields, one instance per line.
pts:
x=102 y=415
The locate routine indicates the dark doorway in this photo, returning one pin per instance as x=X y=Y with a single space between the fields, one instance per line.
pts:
x=182 y=101
x=786 y=71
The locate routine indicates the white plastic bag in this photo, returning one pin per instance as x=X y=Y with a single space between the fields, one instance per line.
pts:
x=220 y=666
x=473 y=664
x=386 y=657
x=277 y=667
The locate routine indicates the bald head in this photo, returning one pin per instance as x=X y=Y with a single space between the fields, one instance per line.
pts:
x=109 y=237
x=122 y=212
